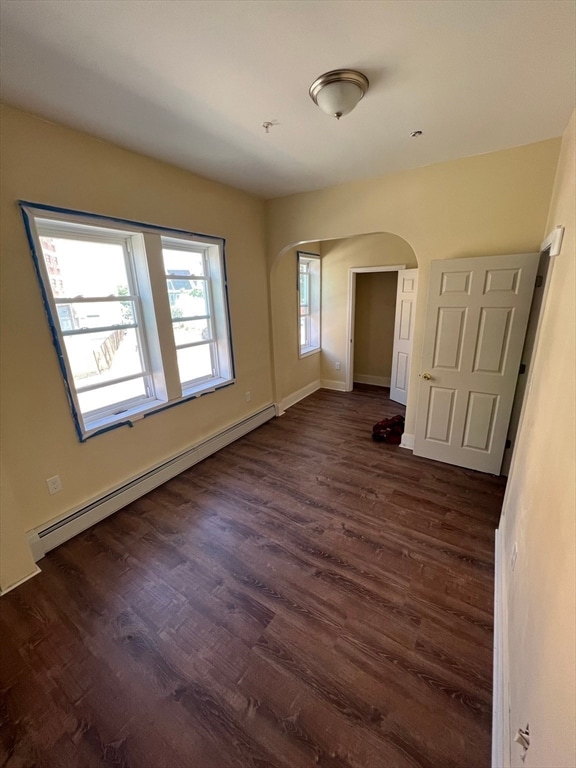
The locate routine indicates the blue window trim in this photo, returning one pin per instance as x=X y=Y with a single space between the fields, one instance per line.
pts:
x=23 y=204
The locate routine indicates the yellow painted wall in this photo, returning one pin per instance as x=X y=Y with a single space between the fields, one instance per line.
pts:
x=540 y=513
x=48 y=163
x=16 y=561
x=485 y=205
x=292 y=373
x=374 y=325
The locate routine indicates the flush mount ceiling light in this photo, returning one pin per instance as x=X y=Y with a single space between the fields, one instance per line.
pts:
x=337 y=92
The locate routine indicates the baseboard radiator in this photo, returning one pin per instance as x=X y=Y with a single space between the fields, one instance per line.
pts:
x=45 y=538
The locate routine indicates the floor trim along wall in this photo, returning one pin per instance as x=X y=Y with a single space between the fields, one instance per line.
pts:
x=376 y=381
x=45 y=538
x=295 y=397
x=5 y=591
x=338 y=386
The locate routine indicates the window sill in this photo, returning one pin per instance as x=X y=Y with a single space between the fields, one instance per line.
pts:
x=106 y=423
x=126 y=418
x=204 y=388
x=308 y=351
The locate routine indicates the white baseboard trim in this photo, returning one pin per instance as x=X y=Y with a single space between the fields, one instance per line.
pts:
x=500 y=709
x=31 y=575
x=338 y=386
x=295 y=397
x=376 y=381
x=36 y=546
x=45 y=538
x=407 y=441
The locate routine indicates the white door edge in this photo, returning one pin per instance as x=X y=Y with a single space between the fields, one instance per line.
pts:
x=404 y=329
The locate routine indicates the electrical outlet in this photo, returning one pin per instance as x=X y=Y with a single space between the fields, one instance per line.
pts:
x=514 y=556
x=248 y=396
x=54 y=484
x=337 y=365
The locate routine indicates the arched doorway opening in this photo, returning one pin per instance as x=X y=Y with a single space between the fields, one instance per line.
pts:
x=296 y=377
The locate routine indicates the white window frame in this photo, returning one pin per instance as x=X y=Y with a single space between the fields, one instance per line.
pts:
x=218 y=339
x=309 y=314
x=142 y=245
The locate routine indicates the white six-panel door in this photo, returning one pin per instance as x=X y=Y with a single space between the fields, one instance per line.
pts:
x=403 y=334
x=475 y=325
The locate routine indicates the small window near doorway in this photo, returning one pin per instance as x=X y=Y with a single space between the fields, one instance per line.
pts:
x=309 y=279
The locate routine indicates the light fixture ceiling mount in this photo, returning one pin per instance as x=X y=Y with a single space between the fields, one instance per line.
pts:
x=337 y=92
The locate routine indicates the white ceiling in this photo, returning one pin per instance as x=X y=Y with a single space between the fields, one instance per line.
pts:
x=191 y=82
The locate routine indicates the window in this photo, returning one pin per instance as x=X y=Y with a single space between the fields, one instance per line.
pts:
x=309 y=302
x=139 y=314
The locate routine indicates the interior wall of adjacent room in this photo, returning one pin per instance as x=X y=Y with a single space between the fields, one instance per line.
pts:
x=338 y=258
x=51 y=164
x=539 y=513
x=485 y=205
x=374 y=316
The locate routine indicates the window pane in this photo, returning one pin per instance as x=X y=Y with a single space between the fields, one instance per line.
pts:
x=309 y=275
x=302 y=331
x=102 y=356
x=191 y=331
x=115 y=393
x=75 y=316
x=188 y=298
x=194 y=362
x=83 y=268
x=183 y=262
x=304 y=286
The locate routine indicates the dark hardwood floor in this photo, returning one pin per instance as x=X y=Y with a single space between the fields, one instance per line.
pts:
x=306 y=597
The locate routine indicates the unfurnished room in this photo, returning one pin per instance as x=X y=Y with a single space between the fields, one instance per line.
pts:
x=288 y=361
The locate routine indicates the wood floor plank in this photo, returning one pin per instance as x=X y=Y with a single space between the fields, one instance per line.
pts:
x=306 y=597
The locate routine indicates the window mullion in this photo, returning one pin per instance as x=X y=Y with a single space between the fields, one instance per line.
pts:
x=140 y=326
x=157 y=317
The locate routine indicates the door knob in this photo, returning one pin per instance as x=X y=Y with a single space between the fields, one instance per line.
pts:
x=427 y=376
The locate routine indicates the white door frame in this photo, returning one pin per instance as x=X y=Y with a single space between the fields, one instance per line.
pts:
x=550 y=247
x=353 y=271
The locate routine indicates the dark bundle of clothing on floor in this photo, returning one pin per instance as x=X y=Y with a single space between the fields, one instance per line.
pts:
x=389 y=430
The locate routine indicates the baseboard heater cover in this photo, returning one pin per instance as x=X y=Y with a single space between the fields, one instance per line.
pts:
x=54 y=534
